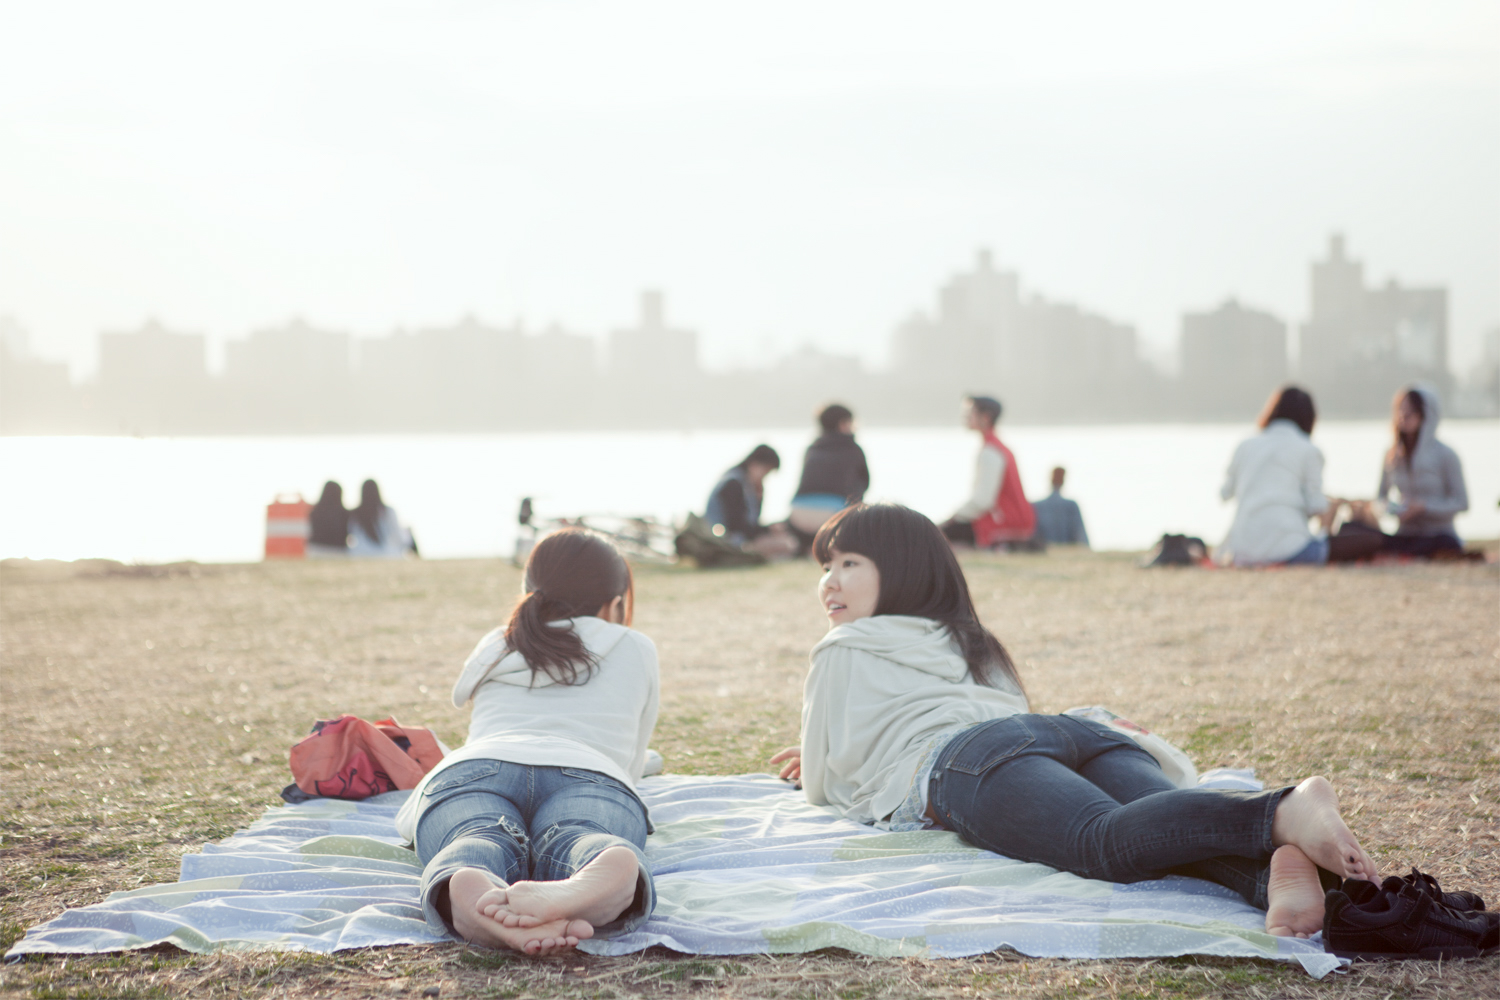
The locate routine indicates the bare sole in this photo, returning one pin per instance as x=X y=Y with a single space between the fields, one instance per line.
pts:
x=598 y=894
x=471 y=891
x=1308 y=818
x=1295 y=895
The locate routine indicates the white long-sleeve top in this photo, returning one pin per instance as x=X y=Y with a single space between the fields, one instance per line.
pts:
x=1277 y=477
x=989 y=474
x=603 y=724
x=877 y=688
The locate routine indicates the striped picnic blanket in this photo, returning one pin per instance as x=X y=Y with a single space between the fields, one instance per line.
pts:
x=742 y=865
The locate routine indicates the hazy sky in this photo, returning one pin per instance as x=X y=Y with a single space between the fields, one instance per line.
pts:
x=788 y=172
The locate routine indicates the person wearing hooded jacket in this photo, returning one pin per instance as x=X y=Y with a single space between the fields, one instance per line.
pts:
x=531 y=835
x=1425 y=476
x=914 y=716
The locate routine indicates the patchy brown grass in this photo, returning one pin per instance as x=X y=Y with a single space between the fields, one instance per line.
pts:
x=147 y=710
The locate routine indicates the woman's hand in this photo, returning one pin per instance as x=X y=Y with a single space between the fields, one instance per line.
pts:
x=792 y=769
x=1416 y=510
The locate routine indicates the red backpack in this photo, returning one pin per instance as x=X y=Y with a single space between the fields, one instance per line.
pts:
x=349 y=758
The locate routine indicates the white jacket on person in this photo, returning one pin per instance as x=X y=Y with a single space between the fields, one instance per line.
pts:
x=1277 y=477
x=603 y=724
x=876 y=688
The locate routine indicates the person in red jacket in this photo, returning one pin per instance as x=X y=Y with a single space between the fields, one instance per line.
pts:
x=997 y=512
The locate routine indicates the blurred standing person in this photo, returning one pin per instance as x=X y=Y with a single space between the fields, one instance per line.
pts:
x=1058 y=519
x=834 y=474
x=375 y=530
x=997 y=511
x=1277 y=477
x=1425 y=475
x=734 y=506
x=329 y=522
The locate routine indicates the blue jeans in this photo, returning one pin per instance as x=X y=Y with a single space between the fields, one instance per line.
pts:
x=1076 y=795
x=525 y=823
x=1314 y=553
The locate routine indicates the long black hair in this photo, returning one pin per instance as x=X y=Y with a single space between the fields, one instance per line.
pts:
x=367 y=514
x=1405 y=443
x=570 y=574
x=329 y=520
x=919 y=576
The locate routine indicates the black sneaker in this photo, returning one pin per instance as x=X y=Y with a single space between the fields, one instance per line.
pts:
x=1403 y=924
x=1361 y=892
x=1461 y=900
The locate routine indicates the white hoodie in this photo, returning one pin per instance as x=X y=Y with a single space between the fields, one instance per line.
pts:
x=876 y=688
x=601 y=725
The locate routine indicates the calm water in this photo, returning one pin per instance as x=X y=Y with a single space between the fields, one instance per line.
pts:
x=166 y=499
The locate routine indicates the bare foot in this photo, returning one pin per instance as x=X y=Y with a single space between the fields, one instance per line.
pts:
x=1295 y=895
x=1308 y=817
x=472 y=890
x=598 y=894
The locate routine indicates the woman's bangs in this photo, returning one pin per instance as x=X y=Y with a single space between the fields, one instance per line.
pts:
x=842 y=531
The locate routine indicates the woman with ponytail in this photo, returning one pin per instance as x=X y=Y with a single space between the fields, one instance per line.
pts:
x=913 y=716
x=531 y=834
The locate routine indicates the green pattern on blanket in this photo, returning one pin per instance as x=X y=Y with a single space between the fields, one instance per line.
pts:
x=818 y=934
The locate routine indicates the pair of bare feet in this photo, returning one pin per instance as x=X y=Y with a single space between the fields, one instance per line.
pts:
x=1309 y=833
x=542 y=918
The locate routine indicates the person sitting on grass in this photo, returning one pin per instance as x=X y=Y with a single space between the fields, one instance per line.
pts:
x=997 y=512
x=734 y=507
x=913 y=716
x=1428 y=482
x=531 y=835
x=1058 y=519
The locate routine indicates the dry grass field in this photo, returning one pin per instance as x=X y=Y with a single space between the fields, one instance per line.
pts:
x=147 y=710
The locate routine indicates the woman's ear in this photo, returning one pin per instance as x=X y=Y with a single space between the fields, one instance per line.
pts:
x=614 y=611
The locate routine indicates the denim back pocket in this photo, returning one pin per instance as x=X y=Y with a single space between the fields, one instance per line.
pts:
x=583 y=774
x=987 y=745
x=454 y=778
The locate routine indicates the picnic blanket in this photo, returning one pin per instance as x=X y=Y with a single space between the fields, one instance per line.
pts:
x=742 y=865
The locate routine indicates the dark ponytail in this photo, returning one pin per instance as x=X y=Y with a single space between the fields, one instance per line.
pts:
x=570 y=574
x=919 y=576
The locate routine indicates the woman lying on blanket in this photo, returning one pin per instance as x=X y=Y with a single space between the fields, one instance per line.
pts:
x=532 y=834
x=913 y=715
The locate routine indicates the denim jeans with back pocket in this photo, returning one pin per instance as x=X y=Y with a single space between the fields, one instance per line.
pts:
x=1076 y=795
x=526 y=823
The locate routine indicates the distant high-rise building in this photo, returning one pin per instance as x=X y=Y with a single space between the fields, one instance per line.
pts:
x=441 y=378
x=652 y=352
x=1047 y=360
x=972 y=335
x=1480 y=394
x=289 y=378
x=1360 y=344
x=35 y=395
x=1232 y=358
x=154 y=381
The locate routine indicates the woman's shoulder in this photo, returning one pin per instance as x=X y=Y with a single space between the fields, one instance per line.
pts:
x=606 y=639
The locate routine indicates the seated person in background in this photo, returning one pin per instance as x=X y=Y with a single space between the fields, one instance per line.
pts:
x=834 y=474
x=1427 y=477
x=734 y=506
x=997 y=512
x=330 y=524
x=1058 y=519
x=375 y=530
x=1277 y=477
